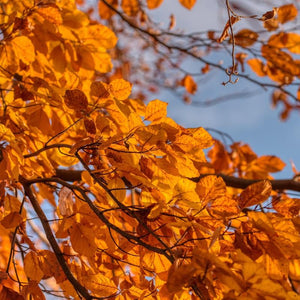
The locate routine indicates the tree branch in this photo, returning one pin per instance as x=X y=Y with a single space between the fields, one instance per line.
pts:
x=59 y=255
x=242 y=183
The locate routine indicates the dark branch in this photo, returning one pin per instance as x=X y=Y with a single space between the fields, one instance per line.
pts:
x=242 y=183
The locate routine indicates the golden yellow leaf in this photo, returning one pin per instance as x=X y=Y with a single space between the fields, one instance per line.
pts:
x=120 y=89
x=23 y=49
x=287 y=13
x=189 y=84
x=50 y=13
x=257 y=66
x=255 y=193
x=152 y=4
x=31 y=266
x=156 y=110
x=188 y=3
x=130 y=7
x=245 y=38
x=118 y=189
x=49 y=264
x=210 y=188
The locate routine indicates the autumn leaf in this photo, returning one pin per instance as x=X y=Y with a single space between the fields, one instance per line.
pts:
x=225 y=33
x=76 y=99
x=188 y=3
x=287 y=13
x=156 y=110
x=32 y=268
x=120 y=89
x=23 y=49
x=152 y=4
x=189 y=84
x=65 y=202
x=245 y=38
x=130 y=7
x=104 y=11
x=254 y=194
x=257 y=66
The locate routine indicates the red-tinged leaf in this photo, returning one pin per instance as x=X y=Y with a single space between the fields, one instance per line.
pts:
x=189 y=84
x=245 y=38
x=156 y=110
x=76 y=99
x=257 y=66
x=99 y=90
x=65 y=202
x=287 y=13
x=255 y=193
x=90 y=126
x=152 y=4
x=188 y=3
x=120 y=89
x=269 y=14
x=32 y=268
x=12 y=220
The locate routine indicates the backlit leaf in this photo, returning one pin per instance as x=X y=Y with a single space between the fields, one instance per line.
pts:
x=156 y=110
x=120 y=89
x=12 y=220
x=255 y=193
x=23 y=49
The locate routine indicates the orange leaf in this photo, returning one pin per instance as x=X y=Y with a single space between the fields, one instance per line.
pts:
x=187 y=3
x=257 y=66
x=178 y=276
x=156 y=110
x=120 y=89
x=189 y=84
x=104 y=11
x=76 y=99
x=83 y=239
x=9 y=294
x=152 y=4
x=32 y=268
x=130 y=7
x=287 y=13
x=255 y=193
x=12 y=220
x=23 y=49
x=51 y=13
